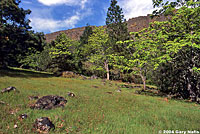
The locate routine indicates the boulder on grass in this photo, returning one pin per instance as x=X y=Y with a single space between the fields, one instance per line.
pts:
x=8 y=89
x=49 y=102
x=43 y=125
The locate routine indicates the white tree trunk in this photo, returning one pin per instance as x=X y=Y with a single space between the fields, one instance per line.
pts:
x=143 y=80
x=107 y=70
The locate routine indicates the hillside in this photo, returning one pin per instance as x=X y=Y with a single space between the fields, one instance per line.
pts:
x=134 y=25
x=97 y=107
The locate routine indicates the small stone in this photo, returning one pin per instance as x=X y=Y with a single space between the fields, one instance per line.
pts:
x=23 y=116
x=8 y=89
x=119 y=90
x=95 y=86
x=71 y=94
x=43 y=125
x=15 y=126
x=2 y=102
x=138 y=91
x=93 y=77
x=109 y=92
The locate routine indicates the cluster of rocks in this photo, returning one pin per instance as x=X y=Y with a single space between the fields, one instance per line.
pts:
x=43 y=124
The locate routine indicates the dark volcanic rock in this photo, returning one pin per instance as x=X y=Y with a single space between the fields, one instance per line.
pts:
x=43 y=125
x=8 y=89
x=49 y=102
x=23 y=116
x=71 y=94
x=95 y=86
x=109 y=92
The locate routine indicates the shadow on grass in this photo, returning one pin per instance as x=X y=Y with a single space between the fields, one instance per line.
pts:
x=23 y=73
x=151 y=92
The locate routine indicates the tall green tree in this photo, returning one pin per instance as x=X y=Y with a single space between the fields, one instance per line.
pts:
x=81 y=55
x=99 y=50
x=62 y=50
x=85 y=36
x=116 y=26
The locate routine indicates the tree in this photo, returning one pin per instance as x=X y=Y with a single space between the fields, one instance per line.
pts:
x=85 y=36
x=80 y=55
x=37 y=60
x=99 y=50
x=176 y=42
x=62 y=50
x=116 y=26
x=15 y=35
x=182 y=30
x=165 y=7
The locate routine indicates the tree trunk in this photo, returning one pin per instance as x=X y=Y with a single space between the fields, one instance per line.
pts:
x=190 y=88
x=143 y=80
x=107 y=69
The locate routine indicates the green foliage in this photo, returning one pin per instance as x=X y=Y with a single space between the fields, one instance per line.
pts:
x=179 y=43
x=80 y=49
x=64 y=53
x=99 y=51
x=16 y=39
x=116 y=26
x=167 y=41
x=169 y=7
x=37 y=60
x=86 y=33
x=61 y=47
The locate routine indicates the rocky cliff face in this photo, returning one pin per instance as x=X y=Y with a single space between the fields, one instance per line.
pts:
x=134 y=25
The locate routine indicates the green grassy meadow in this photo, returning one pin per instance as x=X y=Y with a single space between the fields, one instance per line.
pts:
x=93 y=110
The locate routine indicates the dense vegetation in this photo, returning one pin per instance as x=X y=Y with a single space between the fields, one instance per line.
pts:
x=165 y=54
x=17 y=40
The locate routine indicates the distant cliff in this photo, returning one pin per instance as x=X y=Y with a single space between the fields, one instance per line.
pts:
x=134 y=25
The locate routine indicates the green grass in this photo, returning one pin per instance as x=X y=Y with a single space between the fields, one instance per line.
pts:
x=92 y=110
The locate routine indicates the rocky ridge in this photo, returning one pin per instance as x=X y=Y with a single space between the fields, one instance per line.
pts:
x=134 y=25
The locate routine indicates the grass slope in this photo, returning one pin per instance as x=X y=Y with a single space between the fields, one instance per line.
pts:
x=92 y=110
